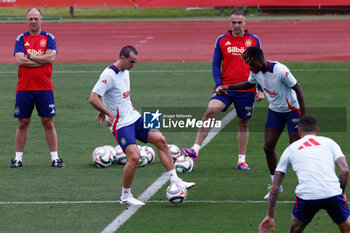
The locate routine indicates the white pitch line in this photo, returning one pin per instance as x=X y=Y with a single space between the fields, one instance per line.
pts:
x=132 y=209
x=126 y=214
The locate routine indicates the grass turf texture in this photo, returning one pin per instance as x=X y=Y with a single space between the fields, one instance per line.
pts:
x=159 y=85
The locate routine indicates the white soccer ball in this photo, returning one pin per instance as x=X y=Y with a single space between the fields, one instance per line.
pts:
x=184 y=164
x=112 y=150
x=176 y=193
x=150 y=153
x=174 y=151
x=143 y=158
x=102 y=157
x=120 y=157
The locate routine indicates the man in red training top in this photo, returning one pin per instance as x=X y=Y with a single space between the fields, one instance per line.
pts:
x=35 y=51
x=229 y=68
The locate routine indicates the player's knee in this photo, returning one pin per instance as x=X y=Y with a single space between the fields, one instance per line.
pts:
x=161 y=142
x=210 y=113
x=23 y=124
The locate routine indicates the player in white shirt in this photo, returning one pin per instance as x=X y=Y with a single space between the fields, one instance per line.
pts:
x=313 y=159
x=284 y=95
x=126 y=124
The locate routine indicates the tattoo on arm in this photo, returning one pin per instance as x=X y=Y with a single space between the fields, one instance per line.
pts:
x=344 y=172
x=277 y=181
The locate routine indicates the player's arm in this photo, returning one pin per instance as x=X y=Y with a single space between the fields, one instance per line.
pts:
x=47 y=58
x=22 y=60
x=216 y=65
x=96 y=102
x=300 y=97
x=237 y=86
x=344 y=172
x=268 y=222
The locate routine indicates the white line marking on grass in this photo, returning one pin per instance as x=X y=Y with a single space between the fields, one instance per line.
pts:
x=213 y=132
x=132 y=209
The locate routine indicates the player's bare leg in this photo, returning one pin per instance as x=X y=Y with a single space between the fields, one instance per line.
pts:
x=21 y=134
x=214 y=107
x=156 y=138
x=296 y=226
x=271 y=138
x=50 y=132
x=345 y=226
x=133 y=155
x=293 y=136
x=242 y=139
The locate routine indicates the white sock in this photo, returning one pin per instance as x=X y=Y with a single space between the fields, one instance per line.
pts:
x=272 y=177
x=54 y=155
x=196 y=148
x=125 y=193
x=241 y=158
x=19 y=156
x=173 y=176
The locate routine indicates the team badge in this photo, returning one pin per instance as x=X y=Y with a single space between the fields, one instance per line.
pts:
x=43 y=43
x=248 y=43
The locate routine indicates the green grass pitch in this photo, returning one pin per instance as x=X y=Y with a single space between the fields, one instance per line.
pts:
x=224 y=200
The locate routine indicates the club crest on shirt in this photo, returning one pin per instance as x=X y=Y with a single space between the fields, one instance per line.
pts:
x=43 y=43
x=248 y=43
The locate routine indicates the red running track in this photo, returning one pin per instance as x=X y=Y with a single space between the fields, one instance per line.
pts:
x=187 y=41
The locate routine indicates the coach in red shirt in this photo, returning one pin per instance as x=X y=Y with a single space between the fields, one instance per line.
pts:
x=229 y=68
x=35 y=51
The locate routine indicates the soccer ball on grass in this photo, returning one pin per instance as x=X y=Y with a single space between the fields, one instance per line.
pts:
x=102 y=157
x=184 y=164
x=176 y=193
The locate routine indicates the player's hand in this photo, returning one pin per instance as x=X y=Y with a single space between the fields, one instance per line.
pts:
x=109 y=121
x=48 y=51
x=100 y=118
x=267 y=224
x=259 y=96
x=221 y=90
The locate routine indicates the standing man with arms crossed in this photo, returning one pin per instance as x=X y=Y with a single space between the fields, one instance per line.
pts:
x=284 y=94
x=228 y=68
x=35 y=51
x=313 y=159
x=126 y=124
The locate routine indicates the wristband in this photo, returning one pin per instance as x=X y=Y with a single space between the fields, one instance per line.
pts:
x=28 y=55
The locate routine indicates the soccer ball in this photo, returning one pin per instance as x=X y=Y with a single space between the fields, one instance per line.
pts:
x=112 y=150
x=174 y=151
x=150 y=153
x=184 y=164
x=102 y=157
x=143 y=158
x=176 y=193
x=120 y=157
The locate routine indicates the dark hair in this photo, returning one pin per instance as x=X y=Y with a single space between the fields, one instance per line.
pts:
x=252 y=53
x=35 y=9
x=237 y=12
x=308 y=123
x=125 y=51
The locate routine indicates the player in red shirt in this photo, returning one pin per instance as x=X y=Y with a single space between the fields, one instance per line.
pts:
x=34 y=52
x=228 y=68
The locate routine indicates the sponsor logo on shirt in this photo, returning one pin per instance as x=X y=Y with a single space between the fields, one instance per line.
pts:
x=227 y=43
x=235 y=50
x=271 y=93
x=126 y=94
x=309 y=143
x=27 y=44
x=104 y=81
x=38 y=52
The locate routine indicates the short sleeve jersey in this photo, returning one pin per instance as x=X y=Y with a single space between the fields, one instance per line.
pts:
x=35 y=78
x=277 y=85
x=313 y=160
x=114 y=87
x=228 y=66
